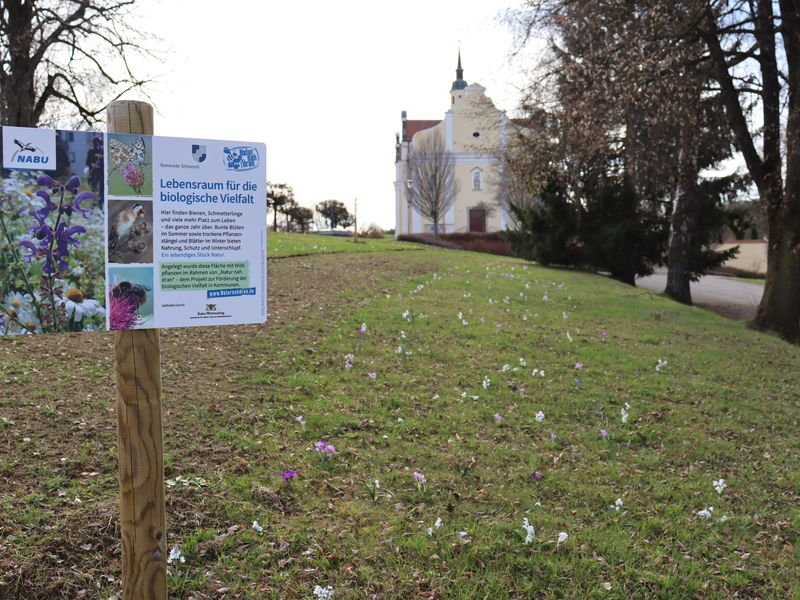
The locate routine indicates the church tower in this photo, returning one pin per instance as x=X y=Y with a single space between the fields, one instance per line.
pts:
x=459 y=85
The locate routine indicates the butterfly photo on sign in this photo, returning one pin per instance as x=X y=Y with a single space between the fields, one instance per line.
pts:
x=130 y=165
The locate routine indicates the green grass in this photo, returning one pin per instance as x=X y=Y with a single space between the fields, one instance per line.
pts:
x=725 y=405
x=297 y=244
x=756 y=281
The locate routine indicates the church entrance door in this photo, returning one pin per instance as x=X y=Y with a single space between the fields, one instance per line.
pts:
x=477 y=219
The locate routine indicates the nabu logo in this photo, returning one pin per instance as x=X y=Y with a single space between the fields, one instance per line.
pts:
x=28 y=148
x=21 y=157
x=211 y=307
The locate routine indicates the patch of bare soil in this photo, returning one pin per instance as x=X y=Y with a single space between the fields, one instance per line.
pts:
x=735 y=312
x=59 y=521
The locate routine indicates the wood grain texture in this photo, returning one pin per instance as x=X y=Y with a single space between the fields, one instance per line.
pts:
x=137 y=361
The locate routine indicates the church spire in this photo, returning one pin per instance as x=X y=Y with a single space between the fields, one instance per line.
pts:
x=459 y=83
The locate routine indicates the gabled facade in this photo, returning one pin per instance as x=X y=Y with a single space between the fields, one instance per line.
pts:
x=475 y=133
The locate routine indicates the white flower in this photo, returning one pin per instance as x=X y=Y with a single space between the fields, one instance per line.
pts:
x=535 y=371
x=460 y=316
x=464 y=322
x=486 y=381
x=402 y=334
x=506 y=368
x=175 y=554
x=408 y=353
x=719 y=485
x=562 y=537
x=539 y=416
x=462 y=534
x=257 y=527
x=18 y=302
x=436 y=397
x=364 y=326
x=430 y=531
x=323 y=593
x=706 y=512
x=541 y=373
x=569 y=336
x=723 y=518
x=399 y=350
x=522 y=362
x=386 y=437
x=617 y=505
x=78 y=305
x=530 y=531
x=438 y=523
x=399 y=419
x=624 y=416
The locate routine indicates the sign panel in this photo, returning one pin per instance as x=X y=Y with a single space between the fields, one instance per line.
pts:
x=131 y=232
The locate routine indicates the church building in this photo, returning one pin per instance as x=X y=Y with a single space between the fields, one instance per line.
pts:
x=475 y=132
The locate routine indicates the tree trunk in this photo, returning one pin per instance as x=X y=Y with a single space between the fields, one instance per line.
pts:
x=780 y=305
x=18 y=93
x=684 y=216
x=779 y=310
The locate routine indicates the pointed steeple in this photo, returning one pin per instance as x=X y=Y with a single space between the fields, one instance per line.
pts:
x=459 y=83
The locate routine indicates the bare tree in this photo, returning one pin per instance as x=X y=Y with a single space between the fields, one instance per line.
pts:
x=433 y=187
x=753 y=51
x=301 y=217
x=280 y=196
x=334 y=214
x=66 y=59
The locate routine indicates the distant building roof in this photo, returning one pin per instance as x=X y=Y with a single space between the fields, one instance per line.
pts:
x=412 y=127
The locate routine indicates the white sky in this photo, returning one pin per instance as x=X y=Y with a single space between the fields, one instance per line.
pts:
x=323 y=83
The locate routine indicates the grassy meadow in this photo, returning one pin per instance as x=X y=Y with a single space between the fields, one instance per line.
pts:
x=500 y=430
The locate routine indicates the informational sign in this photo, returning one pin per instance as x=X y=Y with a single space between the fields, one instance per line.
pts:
x=120 y=231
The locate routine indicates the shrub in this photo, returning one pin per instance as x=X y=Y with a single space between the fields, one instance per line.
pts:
x=372 y=231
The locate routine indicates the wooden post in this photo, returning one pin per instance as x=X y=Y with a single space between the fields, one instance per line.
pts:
x=355 y=239
x=137 y=360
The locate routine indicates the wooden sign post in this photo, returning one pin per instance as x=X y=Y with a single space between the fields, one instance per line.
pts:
x=137 y=360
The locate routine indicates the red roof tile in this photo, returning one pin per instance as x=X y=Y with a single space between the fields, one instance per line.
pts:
x=413 y=127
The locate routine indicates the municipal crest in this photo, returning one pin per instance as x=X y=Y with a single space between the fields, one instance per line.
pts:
x=198 y=153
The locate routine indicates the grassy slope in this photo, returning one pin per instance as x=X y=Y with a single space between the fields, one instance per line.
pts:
x=725 y=405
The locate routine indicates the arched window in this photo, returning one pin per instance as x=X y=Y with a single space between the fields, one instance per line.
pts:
x=477 y=179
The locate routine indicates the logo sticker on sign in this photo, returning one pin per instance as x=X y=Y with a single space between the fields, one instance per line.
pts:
x=241 y=158
x=26 y=148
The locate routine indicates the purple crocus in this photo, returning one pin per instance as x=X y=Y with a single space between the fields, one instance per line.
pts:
x=536 y=476
x=325 y=449
x=288 y=475
x=604 y=433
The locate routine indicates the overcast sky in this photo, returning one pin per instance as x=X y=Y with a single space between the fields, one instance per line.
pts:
x=323 y=83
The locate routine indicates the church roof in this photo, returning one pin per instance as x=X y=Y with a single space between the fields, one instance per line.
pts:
x=412 y=127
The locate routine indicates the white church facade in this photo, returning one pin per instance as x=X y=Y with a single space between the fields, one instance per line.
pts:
x=475 y=132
